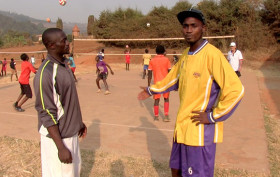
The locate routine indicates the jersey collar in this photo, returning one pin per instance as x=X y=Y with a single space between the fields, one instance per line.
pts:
x=199 y=48
x=51 y=58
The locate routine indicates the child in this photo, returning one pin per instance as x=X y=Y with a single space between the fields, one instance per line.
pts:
x=101 y=55
x=13 y=69
x=127 y=57
x=72 y=65
x=4 y=67
x=159 y=66
x=102 y=73
x=26 y=68
x=146 y=60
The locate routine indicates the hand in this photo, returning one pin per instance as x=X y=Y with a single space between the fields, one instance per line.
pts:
x=65 y=155
x=83 y=132
x=144 y=94
x=200 y=118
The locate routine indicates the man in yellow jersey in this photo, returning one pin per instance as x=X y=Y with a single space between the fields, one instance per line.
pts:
x=209 y=92
x=146 y=61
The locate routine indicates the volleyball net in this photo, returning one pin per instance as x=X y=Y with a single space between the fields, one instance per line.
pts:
x=114 y=48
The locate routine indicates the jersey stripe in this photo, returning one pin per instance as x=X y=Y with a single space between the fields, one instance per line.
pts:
x=216 y=132
x=200 y=134
x=206 y=94
x=231 y=106
x=165 y=86
x=41 y=93
x=56 y=96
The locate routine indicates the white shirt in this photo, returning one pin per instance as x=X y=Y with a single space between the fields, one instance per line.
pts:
x=234 y=58
x=32 y=60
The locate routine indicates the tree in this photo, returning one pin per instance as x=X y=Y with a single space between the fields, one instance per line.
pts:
x=271 y=16
x=59 y=23
x=90 y=25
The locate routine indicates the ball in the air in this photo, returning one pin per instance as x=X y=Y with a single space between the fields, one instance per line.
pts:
x=62 y=2
x=148 y=25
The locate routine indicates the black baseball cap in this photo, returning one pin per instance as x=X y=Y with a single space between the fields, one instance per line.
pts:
x=191 y=13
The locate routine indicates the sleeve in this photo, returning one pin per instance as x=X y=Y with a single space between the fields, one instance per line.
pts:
x=231 y=89
x=45 y=101
x=32 y=68
x=169 y=83
x=240 y=56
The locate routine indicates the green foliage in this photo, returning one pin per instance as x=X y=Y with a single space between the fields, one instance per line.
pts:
x=90 y=25
x=1 y=42
x=241 y=18
x=12 y=39
x=271 y=16
x=59 y=23
x=8 y=23
x=70 y=37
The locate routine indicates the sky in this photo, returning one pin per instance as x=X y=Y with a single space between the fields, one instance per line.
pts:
x=78 y=10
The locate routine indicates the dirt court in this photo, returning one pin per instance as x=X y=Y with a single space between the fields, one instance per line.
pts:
x=121 y=124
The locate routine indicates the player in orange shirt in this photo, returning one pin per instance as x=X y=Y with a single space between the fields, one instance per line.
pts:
x=159 y=67
x=26 y=69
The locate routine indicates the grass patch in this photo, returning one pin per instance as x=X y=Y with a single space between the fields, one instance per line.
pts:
x=22 y=158
x=272 y=126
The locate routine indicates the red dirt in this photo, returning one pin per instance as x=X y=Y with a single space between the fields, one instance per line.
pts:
x=120 y=123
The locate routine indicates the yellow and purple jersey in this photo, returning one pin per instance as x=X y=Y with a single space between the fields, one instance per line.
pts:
x=206 y=83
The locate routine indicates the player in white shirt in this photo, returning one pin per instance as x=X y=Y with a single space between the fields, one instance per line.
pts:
x=235 y=58
x=33 y=60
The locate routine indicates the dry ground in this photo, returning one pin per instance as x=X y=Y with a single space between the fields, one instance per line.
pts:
x=101 y=160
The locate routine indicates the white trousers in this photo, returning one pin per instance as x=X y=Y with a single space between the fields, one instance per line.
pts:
x=51 y=165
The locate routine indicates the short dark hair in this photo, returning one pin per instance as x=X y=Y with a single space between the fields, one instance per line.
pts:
x=12 y=59
x=24 y=57
x=46 y=35
x=146 y=50
x=160 y=49
x=102 y=50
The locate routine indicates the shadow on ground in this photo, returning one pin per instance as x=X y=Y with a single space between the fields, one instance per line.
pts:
x=88 y=156
x=157 y=144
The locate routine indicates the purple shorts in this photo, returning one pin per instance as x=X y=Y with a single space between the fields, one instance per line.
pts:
x=145 y=67
x=194 y=161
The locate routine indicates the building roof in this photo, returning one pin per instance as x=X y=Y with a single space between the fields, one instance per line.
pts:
x=75 y=29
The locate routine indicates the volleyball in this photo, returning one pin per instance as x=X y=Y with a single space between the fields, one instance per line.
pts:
x=62 y=2
x=148 y=24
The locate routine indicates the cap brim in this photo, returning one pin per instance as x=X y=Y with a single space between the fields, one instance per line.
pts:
x=184 y=14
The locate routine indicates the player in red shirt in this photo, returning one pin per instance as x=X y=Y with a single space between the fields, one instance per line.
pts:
x=26 y=68
x=4 y=67
x=127 y=57
x=159 y=66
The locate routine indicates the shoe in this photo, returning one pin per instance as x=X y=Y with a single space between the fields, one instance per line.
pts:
x=156 y=118
x=19 y=109
x=98 y=91
x=15 y=105
x=107 y=92
x=166 y=119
